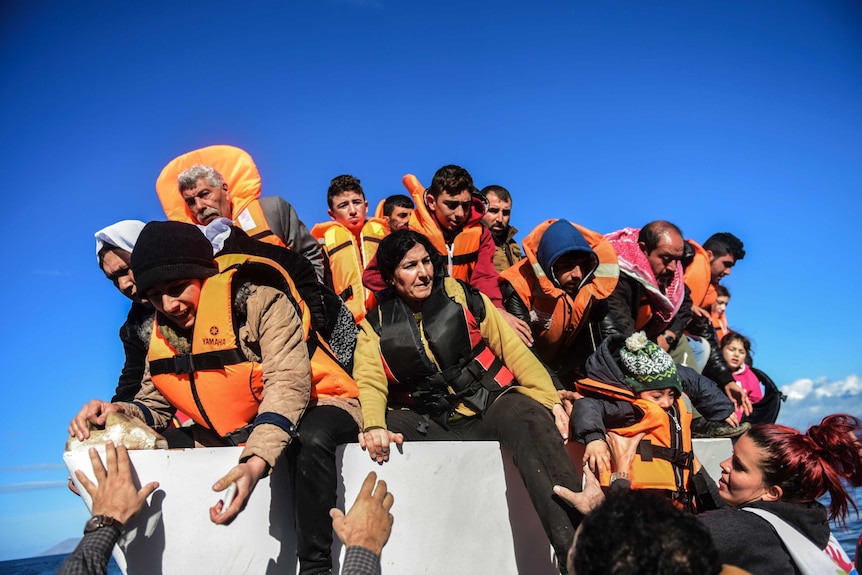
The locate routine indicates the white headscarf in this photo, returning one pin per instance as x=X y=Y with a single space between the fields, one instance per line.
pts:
x=217 y=232
x=123 y=235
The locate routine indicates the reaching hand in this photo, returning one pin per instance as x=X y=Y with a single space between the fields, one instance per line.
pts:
x=738 y=396
x=732 y=420
x=597 y=456
x=521 y=327
x=561 y=420
x=94 y=411
x=377 y=441
x=245 y=475
x=368 y=523
x=114 y=493
x=568 y=399
x=623 y=450
x=590 y=497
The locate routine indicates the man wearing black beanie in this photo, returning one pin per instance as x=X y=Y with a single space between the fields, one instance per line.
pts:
x=194 y=365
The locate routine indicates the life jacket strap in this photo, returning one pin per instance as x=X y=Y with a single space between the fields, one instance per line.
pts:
x=346 y=294
x=261 y=235
x=677 y=457
x=191 y=362
x=463 y=259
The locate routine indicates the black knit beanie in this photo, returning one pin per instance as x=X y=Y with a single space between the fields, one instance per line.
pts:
x=168 y=251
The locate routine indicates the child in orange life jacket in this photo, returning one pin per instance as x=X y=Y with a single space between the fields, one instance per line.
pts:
x=719 y=319
x=625 y=377
x=736 y=349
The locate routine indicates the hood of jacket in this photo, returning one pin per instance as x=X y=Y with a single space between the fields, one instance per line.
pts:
x=602 y=365
x=560 y=238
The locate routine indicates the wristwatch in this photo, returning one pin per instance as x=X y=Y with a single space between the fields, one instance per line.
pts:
x=98 y=521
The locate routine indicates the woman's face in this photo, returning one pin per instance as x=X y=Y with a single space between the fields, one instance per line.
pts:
x=741 y=478
x=720 y=304
x=414 y=276
x=734 y=354
x=177 y=300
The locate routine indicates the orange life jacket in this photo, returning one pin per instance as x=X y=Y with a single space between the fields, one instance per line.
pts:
x=463 y=253
x=698 y=278
x=719 y=322
x=215 y=384
x=559 y=316
x=243 y=180
x=346 y=264
x=665 y=459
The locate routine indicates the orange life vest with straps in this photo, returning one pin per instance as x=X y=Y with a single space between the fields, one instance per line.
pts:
x=348 y=258
x=243 y=180
x=464 y=370
x=463 y=253
x=215 y=384
x=665 y=459
x=558 y=316
x=698 y=278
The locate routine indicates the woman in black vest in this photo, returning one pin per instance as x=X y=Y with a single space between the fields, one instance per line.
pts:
x=436 y=361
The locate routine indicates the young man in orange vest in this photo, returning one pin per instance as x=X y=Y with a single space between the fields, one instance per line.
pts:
x=349 y=242
x=450 y=214
x=559 y=289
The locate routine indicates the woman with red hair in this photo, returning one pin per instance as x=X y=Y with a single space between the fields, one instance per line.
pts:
x=774 y=523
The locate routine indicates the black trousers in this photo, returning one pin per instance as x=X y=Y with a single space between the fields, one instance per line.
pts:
x=527 y=429
x=315 y=481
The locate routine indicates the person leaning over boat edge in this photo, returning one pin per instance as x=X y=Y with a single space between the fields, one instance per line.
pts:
x=114 y=245
x=172 y=262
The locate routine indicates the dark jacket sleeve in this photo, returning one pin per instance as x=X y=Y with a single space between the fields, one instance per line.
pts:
x=92 y=554
x=135 y=348
x=705 y=394
x=592 y=417
x=623 y=306
x=682 y=318
x=285 y=223
x=512 y=302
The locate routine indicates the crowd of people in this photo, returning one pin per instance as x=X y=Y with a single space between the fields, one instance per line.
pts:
x=427 y=321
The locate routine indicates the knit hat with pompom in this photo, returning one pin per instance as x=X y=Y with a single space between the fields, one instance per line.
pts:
x=646 y=366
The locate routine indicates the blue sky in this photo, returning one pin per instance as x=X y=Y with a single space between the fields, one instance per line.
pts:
x=719 y=116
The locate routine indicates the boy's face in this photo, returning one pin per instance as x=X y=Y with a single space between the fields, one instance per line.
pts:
x=664 y=398
x=720 y=304
x=451 y=210
x=349 y=209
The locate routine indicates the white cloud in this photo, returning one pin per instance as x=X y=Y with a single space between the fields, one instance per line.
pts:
x=822 y=388
x=809 y=400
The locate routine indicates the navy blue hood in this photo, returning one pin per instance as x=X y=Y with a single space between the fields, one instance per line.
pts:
x=560 y=238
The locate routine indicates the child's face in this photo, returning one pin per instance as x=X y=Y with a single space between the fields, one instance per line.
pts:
x=720 y=304
x=662 y=397
x=734 y=354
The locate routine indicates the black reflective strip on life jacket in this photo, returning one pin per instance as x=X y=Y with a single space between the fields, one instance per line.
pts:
x=263 y=234
x=339 y=247
x=372 y=239
x=677 y=457
x=463 y=259
x=191 y=362
x=346 y=294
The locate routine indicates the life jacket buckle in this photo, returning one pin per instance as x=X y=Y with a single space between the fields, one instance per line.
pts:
x=184 y=363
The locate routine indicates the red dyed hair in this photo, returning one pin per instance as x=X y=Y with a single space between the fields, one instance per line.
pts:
x=807 y=465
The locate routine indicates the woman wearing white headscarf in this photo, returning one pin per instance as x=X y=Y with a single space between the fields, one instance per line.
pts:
x=114 y=245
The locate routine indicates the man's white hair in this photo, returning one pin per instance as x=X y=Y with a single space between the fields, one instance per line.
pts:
x=188 y=179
